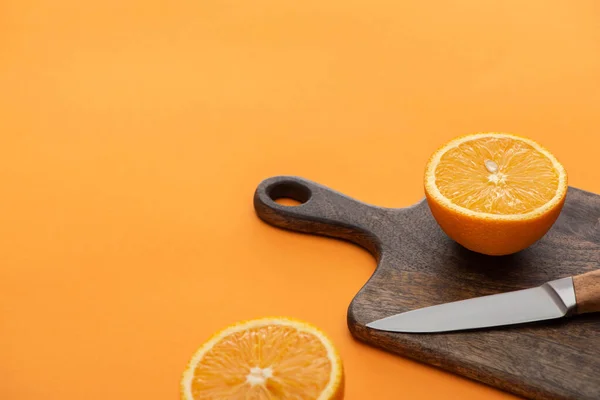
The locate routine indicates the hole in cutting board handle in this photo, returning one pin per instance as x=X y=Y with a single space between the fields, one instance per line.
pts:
x=286 y=201
x=289 y=193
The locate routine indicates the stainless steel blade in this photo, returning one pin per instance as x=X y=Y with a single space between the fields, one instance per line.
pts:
x=553 y=299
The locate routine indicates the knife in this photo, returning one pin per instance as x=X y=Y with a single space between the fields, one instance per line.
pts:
x=554 y=299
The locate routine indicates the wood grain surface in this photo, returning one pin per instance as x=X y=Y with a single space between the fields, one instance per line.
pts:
x=418 y=266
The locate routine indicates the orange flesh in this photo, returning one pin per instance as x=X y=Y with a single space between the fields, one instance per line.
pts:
x=525 y=178
x=283 y=363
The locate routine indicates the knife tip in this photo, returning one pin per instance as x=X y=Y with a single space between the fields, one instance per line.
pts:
x=374 y=325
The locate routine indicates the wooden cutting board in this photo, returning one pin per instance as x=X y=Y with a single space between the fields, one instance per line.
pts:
x=418 y=265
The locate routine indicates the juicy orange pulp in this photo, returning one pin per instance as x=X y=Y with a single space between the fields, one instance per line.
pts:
x=268 y=359
x=496 y=175
x=262 y=361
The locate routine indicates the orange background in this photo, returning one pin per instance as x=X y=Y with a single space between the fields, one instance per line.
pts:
x=133 y=134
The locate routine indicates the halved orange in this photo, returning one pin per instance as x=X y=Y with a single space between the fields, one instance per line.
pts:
x=495 y=193
x=266 y=358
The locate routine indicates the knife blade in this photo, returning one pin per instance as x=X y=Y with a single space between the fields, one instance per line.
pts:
x=554 y=299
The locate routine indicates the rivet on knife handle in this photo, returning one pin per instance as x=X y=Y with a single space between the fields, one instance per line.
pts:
x=587 y=292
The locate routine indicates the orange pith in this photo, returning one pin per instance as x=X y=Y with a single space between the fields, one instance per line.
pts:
x=495 y=193
x=521 y=180
x=265 y=359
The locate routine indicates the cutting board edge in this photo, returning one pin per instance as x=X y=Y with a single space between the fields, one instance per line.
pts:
x=447 y=363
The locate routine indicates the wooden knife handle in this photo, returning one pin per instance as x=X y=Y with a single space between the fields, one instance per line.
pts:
x=587 y=292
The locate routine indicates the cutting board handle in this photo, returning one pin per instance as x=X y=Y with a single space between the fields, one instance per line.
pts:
x=587 y=292
x=322 y=211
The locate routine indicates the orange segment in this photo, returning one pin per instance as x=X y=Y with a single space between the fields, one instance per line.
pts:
x=495 y=193
x=270 y=358
x=496 y=175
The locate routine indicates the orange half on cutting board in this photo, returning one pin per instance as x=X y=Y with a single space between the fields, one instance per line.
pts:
x=495 y=193
x=264 y=359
